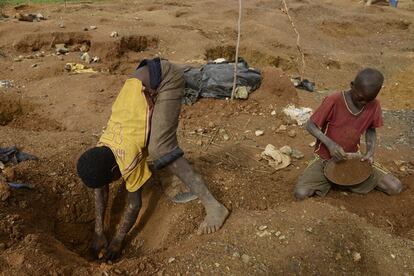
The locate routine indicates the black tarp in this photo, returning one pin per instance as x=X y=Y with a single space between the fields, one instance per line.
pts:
x=215 y=80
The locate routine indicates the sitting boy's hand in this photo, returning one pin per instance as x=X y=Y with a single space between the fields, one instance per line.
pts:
x=337 y=152
x=369 y=156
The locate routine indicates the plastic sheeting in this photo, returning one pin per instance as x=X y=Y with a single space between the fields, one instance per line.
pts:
x=215 y=80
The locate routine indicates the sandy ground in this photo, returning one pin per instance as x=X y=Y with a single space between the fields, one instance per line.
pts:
x=56 y=116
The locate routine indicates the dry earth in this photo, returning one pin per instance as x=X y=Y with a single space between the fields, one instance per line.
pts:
x=57 y=115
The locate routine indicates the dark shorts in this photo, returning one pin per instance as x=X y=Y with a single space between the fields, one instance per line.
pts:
x=313 y=178
x=163 y=144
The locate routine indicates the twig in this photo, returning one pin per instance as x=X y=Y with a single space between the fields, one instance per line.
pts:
x=254 y=170
x=213 y=137
x=297 y=38
x=390 y=223
x=192 y=141
x=232 y=156
x=203 y=135
x=237 y=51
x=215 y=156
x=194 y=133
x=217 y=145
x=248 y=121
x=253 y=147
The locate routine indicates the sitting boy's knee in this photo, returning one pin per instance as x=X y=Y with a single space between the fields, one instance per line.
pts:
x=391 y=184
x=395 y=188
x=302 y=193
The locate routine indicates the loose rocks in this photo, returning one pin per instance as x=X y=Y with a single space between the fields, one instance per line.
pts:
x=259 y=132
x=297 y=154
x=61 y=49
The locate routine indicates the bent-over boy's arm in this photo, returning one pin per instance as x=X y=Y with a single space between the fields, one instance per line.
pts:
x=99 y=240
x=336 y=151
x=128 y=220
x=371 y=141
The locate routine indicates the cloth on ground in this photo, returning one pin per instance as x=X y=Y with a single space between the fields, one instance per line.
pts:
x=16 y=185
x=215 y=80
x=14 y=155
x=303 y=84
x=78 y=68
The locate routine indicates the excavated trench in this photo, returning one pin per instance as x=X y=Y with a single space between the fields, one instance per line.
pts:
x=257 y=58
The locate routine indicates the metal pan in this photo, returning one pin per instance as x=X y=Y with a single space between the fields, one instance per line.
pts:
x=351 y=171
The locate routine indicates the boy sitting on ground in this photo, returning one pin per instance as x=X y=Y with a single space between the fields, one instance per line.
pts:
x=142 y=131
x=338 y=125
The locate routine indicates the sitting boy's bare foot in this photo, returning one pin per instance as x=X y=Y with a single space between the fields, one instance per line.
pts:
x=216 y=215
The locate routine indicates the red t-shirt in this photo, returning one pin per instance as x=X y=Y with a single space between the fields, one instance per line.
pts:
x=337 y=121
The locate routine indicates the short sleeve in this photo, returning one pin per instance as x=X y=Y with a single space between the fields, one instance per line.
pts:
x=324 y=112
x=377 y=120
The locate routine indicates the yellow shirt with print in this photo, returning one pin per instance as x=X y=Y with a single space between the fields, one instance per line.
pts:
x=127 y=133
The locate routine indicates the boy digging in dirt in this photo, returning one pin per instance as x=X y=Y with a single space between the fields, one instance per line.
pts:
x=338 y=125
x=142 y=130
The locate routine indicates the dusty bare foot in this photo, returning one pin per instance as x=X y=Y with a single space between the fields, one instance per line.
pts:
x=214 y=219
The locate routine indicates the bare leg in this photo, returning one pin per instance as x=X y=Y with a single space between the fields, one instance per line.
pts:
x=312 y=181
x=216 y=213
x=390 y=185
x=134 y=204
x=99 y=239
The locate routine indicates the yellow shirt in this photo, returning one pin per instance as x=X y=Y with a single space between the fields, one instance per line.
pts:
x=127 y=133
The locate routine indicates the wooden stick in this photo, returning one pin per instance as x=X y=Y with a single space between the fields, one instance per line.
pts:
x=297 y=38
x=213 y=137
x=248 y=121
x=237 y=51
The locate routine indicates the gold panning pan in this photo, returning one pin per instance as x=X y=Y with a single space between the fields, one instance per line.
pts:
x=351 y=171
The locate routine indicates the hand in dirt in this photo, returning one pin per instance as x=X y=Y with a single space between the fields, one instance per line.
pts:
x=99 y=242
x=337 y=152
x=368 y=157
x=114 y=249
